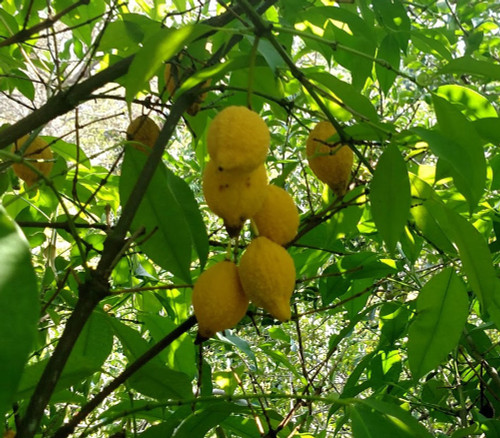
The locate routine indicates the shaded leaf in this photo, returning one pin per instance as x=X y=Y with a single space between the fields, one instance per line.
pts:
x=472 y=66
x=168 y=241
x=387 y=52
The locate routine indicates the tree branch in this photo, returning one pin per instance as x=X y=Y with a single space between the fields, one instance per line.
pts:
x=69 y=427
x=24 y=34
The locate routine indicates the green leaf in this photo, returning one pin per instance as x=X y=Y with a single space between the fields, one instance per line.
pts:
x=390 y=196
x=442 y=310
x=392 y=15
x=456 y=127
x=475 y=255
x=89 y=353
x=156 y=50
x=488 y=129
x=154 y=379
x=192 y=214
x=387 y=52
x=431 y=41
x=467 y=163
x=471 y=103
x=372 y=418
x=160 y=213
x=208 y=416
x=468 y=65
x=68 y=151
x=19 y=308
x=94 y=343
x=180 y=354
x=355 y=102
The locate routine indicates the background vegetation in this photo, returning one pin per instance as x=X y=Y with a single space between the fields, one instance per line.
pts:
x=397 y=302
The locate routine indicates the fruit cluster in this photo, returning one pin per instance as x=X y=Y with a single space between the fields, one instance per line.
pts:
x=236 y=189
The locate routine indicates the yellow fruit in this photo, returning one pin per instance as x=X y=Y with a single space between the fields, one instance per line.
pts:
x=267 y=274
x=218 y=299
x=332 y=165
x=171 y=75
x=39 y=155
x=238 y=139
x=278 y=218
x=143 y=133
x=234 y=196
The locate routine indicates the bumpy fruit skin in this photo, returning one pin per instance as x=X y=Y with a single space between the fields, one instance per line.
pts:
x=278 y=218
x=234 y=196
x=143 y=132
x=238 y=139
x=331 y=165
x=218 y=299
x=267 y=274
x=37 y=150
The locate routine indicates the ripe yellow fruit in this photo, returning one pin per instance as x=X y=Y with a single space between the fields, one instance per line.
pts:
x=143 y=132
x=238 y=139
x=218 y=299
x=332 y=165
x=278 y=218
x=267 y=274
x=172 y=77
x=234 y=196
x=39 y=155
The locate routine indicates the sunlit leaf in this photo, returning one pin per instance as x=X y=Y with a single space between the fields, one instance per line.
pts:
x=442 y=310
x=19 y=308
x=390 y=196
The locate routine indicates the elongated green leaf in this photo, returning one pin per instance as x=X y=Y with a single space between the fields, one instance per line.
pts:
x=355 y=102
x=154 y=379
x=192 y=214
x=472 y=66
x=431 y=41
x=442 y=310
x=473 y=250
x=157 y=49
x=390 y=196
x=169 y=240
x=373 y=419
x=424 y=218
x=387 y=52
x=199 y=423
x=19 y=308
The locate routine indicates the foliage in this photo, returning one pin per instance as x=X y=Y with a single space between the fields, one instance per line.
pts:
x=396 y=310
